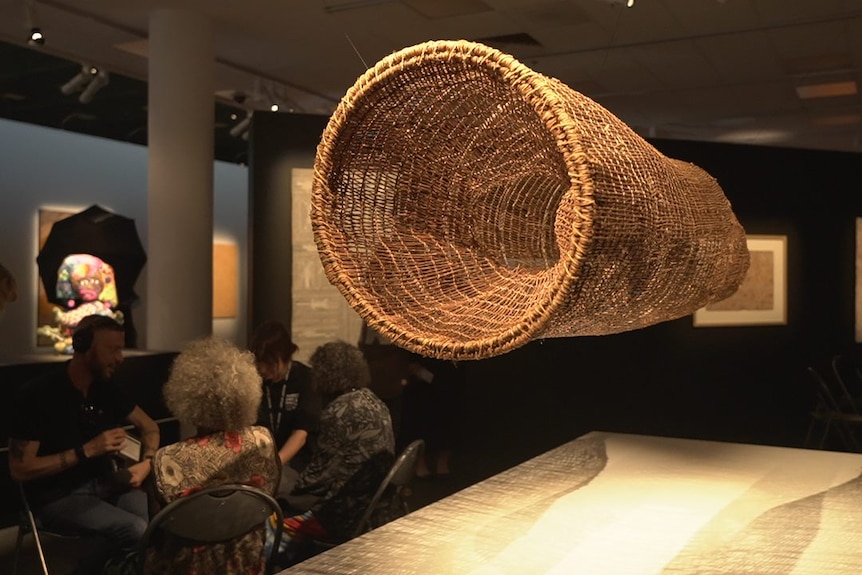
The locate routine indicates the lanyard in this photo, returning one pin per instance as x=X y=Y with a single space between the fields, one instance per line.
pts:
x=276 y=411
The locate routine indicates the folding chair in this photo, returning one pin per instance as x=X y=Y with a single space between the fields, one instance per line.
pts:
x=214 y=515
x=392 y=489
x=27 y=525
x=831 y=415
x=400 y=476
x=848 y=379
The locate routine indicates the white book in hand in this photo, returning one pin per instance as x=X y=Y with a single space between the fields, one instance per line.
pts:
x=131 y=449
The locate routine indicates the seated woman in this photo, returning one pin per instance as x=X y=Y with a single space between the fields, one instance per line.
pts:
x=354 y=451
x=216 y=388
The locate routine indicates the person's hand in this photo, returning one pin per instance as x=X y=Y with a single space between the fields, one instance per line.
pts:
x=110 y=441
x=139 y=472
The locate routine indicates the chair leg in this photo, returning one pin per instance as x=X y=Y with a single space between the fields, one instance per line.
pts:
x=848 y=436
x=18 y=542
x=38 y=542
x=825 y=434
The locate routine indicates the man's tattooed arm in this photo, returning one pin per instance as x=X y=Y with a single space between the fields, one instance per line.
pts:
x=17 y=447
x=25 y=463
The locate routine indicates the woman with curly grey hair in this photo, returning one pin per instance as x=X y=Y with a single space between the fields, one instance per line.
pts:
x=338 y=368
x=214 y=387
x=354 y=451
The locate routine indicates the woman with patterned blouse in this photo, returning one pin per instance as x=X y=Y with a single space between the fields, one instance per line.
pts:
x=216 y=388
x=354 y=451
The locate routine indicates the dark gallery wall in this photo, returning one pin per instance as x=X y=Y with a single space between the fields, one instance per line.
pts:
x=745 y=384
x=47 y=168
x=278 y=144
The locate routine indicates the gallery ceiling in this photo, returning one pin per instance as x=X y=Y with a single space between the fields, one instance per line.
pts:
x=781 y=73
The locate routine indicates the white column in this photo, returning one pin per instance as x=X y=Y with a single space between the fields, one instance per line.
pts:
x=180 y=204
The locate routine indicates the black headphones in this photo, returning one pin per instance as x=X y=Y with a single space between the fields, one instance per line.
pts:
x=82 y=337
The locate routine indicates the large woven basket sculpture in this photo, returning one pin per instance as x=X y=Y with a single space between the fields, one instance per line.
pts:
x=464 y=205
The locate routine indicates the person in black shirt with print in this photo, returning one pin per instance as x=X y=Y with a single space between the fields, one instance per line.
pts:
x=290 y=408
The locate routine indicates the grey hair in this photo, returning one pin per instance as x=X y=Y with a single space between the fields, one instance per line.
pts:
x=337 y=367
x=214 y=386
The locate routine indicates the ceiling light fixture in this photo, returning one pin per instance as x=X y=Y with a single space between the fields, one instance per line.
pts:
x=630 y=3
x=35 y=37
x=827 y=90
x=99 y=80
x=78 y=81
x=241 y=128
x=88 y=81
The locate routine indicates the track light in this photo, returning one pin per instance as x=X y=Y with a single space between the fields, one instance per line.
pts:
x=98 y=81
x=241 y=128
x=36 y=38
x=81 y=79
x=88 y=81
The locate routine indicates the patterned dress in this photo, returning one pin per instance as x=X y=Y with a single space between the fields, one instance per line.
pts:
x=354 y=452
x=249 y=457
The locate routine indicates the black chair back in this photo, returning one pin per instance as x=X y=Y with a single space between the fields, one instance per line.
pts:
x=829 y=410
x=400 y=475
x=214 y=515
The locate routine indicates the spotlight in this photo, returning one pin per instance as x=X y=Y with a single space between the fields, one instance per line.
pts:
x=36 y=38
x=242 y=126
x=77 y=83
x=99 y=79
x=274 y=108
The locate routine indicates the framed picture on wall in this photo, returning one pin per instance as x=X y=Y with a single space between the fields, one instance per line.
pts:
x=44 y=308
x=225 y=280
x=762 y=297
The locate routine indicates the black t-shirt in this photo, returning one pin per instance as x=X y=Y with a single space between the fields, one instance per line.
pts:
x=291 y=404
x=53 y=412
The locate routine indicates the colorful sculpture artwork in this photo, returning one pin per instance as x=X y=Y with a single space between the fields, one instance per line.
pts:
x=84 y=278
x=88 y=286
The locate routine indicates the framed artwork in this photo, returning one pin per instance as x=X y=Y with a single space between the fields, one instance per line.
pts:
x=320 y=313
x=44 y=308
x=225 y=280
x=762 y=297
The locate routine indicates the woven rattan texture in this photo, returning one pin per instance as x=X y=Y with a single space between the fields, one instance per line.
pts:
x=464 y=204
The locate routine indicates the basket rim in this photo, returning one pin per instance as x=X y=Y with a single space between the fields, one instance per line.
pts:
x=542 y=95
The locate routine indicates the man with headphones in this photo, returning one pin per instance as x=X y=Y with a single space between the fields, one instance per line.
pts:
x=66 y=430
